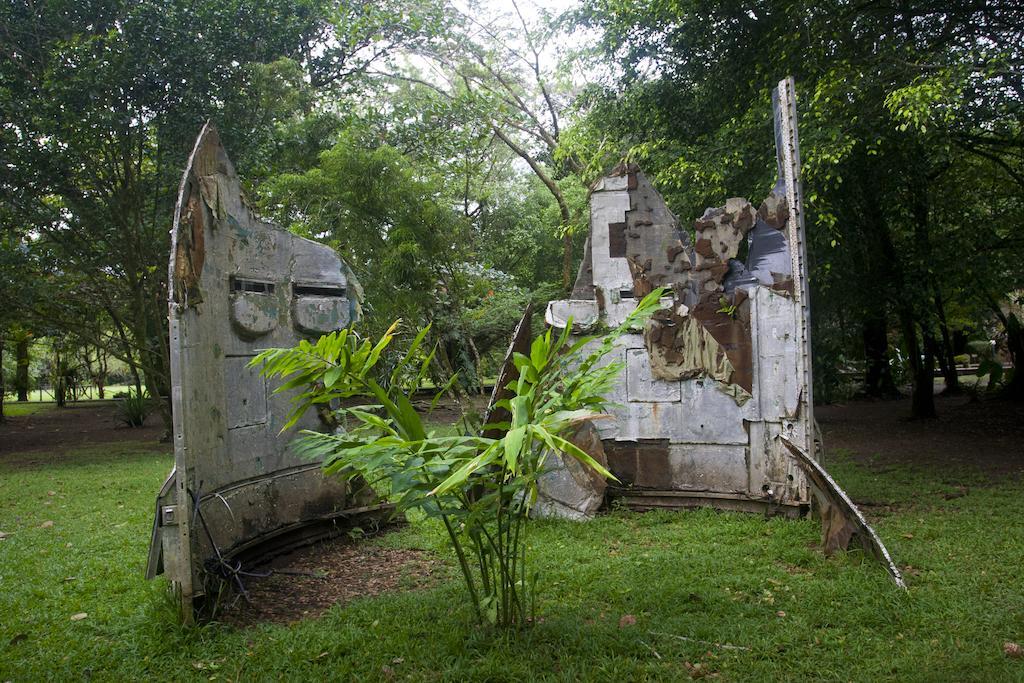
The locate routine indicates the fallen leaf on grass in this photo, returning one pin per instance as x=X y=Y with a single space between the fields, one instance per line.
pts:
x=1011 y=649
x=79 y=616
x=908 y=535
x=627 y=620
x=47 y=524
x=698 y=670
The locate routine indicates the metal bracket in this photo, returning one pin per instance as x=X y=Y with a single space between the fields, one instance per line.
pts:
x=169 y=515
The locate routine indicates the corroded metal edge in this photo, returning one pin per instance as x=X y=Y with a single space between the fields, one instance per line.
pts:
x=832 y=495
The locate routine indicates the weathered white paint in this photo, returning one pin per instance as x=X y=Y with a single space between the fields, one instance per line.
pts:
x=240 y=292
x=707 y=442
x=583 y=313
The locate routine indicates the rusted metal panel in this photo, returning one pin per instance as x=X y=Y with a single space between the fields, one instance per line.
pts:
x=644 y=500
x=841 y=520
x=724 y=369
x=788 y=152
x=707 y=467
x=680 y=347
x=732 y=332
x=238 y=285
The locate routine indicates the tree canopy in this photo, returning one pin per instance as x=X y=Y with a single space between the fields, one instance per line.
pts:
x=446 y=150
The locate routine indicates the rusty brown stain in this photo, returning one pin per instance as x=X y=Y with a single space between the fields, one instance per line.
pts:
x=190 y=254
x=783 y=285
x=680 y=347
x=642 y=286
x=616 y=240
x=734 y=336
x=197 y=252
x=774 y=211
x=642 y=464
x=622 y=460
x=631 y=179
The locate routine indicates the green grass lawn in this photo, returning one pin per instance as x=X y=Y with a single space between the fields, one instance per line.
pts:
x=735 y=579
x=89 y=393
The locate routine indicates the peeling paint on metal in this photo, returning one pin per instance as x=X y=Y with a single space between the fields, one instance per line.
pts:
x=237 y=487
x=723 y=370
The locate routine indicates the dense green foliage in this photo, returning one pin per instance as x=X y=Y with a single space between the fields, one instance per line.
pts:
x=912 y=133
x=100 y=104
x=446 y=153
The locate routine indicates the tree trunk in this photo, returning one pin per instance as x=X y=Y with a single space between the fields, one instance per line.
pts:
x=58 y=381
x=1015 y=344
x=566 y=261
x=878 y=381
x=155 y=356
x=101 y=372
x=2 y=387
x=136 y=377
x=933 y=347
x=21 y=375
x=946 y=353
x=923 y=401
x=556 y=192
x=153 y=377
x=922 y=369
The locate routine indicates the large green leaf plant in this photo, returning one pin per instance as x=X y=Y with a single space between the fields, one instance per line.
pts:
x=480 y=488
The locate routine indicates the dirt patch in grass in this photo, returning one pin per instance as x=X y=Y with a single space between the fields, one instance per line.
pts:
x=985 y=436
x=307 y=582
x=56 y=430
